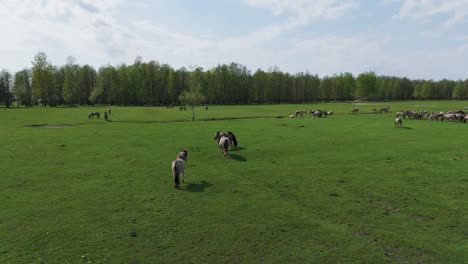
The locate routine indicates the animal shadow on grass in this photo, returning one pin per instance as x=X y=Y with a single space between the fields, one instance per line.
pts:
x=238 y=149
x=198 y=187
x=237 y=157
x=406 y=127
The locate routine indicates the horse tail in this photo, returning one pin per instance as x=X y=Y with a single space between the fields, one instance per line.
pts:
x=234 y=140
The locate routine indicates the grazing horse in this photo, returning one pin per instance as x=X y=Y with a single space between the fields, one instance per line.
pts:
x=398 y=122
x=232 y=138
x=354 y=110
x=94 y=114
x=384 y=110
x=178 y=168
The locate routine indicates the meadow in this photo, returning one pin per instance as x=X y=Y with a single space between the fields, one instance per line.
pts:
x=343 y=189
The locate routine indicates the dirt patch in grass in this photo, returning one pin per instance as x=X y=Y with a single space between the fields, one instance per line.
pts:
x=49 y=126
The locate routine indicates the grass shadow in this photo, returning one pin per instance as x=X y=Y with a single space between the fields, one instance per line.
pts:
x=198 y=187
x=238 y=149
x=237 y=157
x=406 y=127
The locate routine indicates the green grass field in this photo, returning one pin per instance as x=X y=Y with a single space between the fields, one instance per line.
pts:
x=345 y=189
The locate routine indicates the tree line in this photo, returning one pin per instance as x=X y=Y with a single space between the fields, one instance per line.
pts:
x=153 y=83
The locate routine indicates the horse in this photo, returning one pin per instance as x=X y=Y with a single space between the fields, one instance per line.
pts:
x=300 y=113
x=319 y=113
x=183 y=155
x=329 y=113
x=398 y=122
x=465 y=118
x=354 y=110
x=229 y=135
x=223 y=144
x=178 y=168
x=384 y=110
x=109 y=111
x=94 y=114
x=106 y=116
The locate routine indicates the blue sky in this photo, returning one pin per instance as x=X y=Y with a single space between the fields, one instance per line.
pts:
x=413 y=38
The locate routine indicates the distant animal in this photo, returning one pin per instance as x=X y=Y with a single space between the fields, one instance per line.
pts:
x=329 y=113
x=206 y=107
x=374 y=110
x=384 y=110
x=398 y=122
x=354 y=110
x=178 y=170
x=183 y=108
x=301 y=112
x=106 y=116
x=465 y=118
x=229 y=135
x=94 y=114
x=279 y=116
x=292 y=116
x=109 y=111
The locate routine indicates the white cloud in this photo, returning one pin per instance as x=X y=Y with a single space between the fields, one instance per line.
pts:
x=456 y=10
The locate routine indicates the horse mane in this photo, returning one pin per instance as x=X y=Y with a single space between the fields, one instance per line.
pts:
x=234 y=140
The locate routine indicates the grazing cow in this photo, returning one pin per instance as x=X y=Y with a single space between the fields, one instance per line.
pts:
x=354 y=110
x=178 y=169
x=398 y=122
x=94 y=114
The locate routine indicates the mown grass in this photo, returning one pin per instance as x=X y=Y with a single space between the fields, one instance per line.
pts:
x=346 y=189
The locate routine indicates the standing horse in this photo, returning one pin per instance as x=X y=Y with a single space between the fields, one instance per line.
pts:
x=223 y=144
x=178 y=168
x=354 y=110
x=228 y=134
x=94 y=114
x=398 y=122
